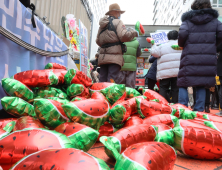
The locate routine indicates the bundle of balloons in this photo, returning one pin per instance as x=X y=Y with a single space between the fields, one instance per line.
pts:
x=61 y=114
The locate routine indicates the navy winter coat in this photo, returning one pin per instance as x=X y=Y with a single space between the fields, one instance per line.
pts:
x=152 y=71
x=199 y=34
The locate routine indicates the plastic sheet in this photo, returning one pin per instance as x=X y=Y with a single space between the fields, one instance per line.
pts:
x=150 y=94
x=55 y=66
x=126 y=137
x=15 y=88
x=18 y=144
x=17 y=107
x=162 y=118
x=77 y=90
x=50 y=112
x=81 y=136
x=66 y=159
x=149 y=108
x=27 y=122
x=77 y=77
x=91 y=112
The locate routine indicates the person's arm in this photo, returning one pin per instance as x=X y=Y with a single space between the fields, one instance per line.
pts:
x=183 y=34
x=156 y=51
x=152 y=59
x=219 y=33
x=139 y=52
x=124 y=34
x=97 y=38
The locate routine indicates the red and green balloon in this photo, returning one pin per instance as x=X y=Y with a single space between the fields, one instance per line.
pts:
x=139 y=28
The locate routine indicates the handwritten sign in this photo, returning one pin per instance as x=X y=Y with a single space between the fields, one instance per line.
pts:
x=159 y=38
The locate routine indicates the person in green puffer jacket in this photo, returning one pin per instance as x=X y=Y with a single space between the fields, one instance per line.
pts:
x=127 y=74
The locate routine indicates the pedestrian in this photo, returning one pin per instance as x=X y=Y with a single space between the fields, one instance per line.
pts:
x=151 y=75
x=219 y=73
x=95 y=62
x=199 y=35
x=111 y=35
x=168 y=64
x=127 y=75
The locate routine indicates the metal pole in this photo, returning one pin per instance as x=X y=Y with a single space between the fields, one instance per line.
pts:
x=49 y=9
x=60 y=17
x=89 y=53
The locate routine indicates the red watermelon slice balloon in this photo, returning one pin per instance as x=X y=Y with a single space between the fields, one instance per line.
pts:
x=151 y=95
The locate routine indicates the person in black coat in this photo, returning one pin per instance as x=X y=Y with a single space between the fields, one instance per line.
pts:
x=199 y=35
x=219 y=73
x=151 y=75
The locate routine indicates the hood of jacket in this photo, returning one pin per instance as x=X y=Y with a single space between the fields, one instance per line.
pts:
x=103 y=22
x=201 y=16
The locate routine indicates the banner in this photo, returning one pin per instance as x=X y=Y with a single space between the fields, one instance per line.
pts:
x=140 y=60
x=17 y=19
x=83 y=39
x=159 y=38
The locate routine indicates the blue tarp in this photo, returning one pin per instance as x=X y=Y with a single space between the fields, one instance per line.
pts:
x=13 y=58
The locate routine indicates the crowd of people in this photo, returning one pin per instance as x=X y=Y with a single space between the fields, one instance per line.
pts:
x=196 y=66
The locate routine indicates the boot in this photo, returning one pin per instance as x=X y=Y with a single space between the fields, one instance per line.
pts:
x=207 y=109
x=215 y=107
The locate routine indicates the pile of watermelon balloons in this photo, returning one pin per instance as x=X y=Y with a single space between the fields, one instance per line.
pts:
x=60 y=114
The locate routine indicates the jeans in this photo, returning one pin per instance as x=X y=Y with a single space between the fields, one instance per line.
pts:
x=165 y=84
x=207 y=99
x=200 y=98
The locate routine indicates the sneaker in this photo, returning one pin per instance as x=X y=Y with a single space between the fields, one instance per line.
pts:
x=220 y=113
x=207 y=109
x=215 y=107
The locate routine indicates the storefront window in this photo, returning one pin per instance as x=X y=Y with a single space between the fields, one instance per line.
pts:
x=220 y=2
x=220 y=18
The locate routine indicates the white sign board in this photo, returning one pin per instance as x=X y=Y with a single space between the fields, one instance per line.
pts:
x=159 y=37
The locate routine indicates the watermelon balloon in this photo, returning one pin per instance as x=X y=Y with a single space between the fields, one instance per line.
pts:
x=37 y=78
x=60 y=73
x=62 y=101
x=98 y=95
x=4 y=122
x=150 y=40
x=150 y=94
x=133 y=121
x=128 y=136
x=176 y=47
x=82 y=136
x=15 y=88
x=131 y=93
x=27 y=122
x=106 y=130
x=92 y=112
x=165 y=134
x=209 y=117
x=46 y=92
x=198 y=142
x=139 y=28
x=163 y=119
x=146 y=155
x=133 y=105
x=17 y=107
x=149 y=108
x=214 y=125
x=19 y=144
x=60 y=159
x=78 y=90
x=146 y=49
x=78 y=99
x=77 y=77
x=50 y=112
x=7 y=129
x=55 y=66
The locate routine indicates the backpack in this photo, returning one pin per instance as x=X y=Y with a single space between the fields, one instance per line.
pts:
x=111 y=27
x=27 y=4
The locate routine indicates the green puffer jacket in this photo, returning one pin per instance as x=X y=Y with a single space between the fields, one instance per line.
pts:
x=133 y=51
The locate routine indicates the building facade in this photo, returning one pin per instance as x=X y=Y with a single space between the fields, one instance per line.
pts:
x=98 y=8
x=169 y=12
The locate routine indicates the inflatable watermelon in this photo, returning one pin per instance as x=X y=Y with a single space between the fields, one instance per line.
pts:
x=149 y=108
x=163 y=119
x=27 y=122
x=128 y=136
x=106 y=130
x=60 y=73
x=77 y=77
x=78 y=99
x=50 y=112
x=17 y=107
x=7 y=129
x=60 y=159
x=165 y=134
x=214 y=125
x=133 y=105
x=150 y=40
x=209 y=117
x=15 y=88
x=4 y=122
x=37 y=78
x=150 y=94
x=82 y=136
x=55 y=66
x=145 y=156
x=131 y=93
x=98 y=95
x=176 y=47
x=146 y=49
x=46 y=92
x=133 y=121
x=139 y=28
x=19 y=144
x=91 y=112
x=77 y=90
x=62 y=101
